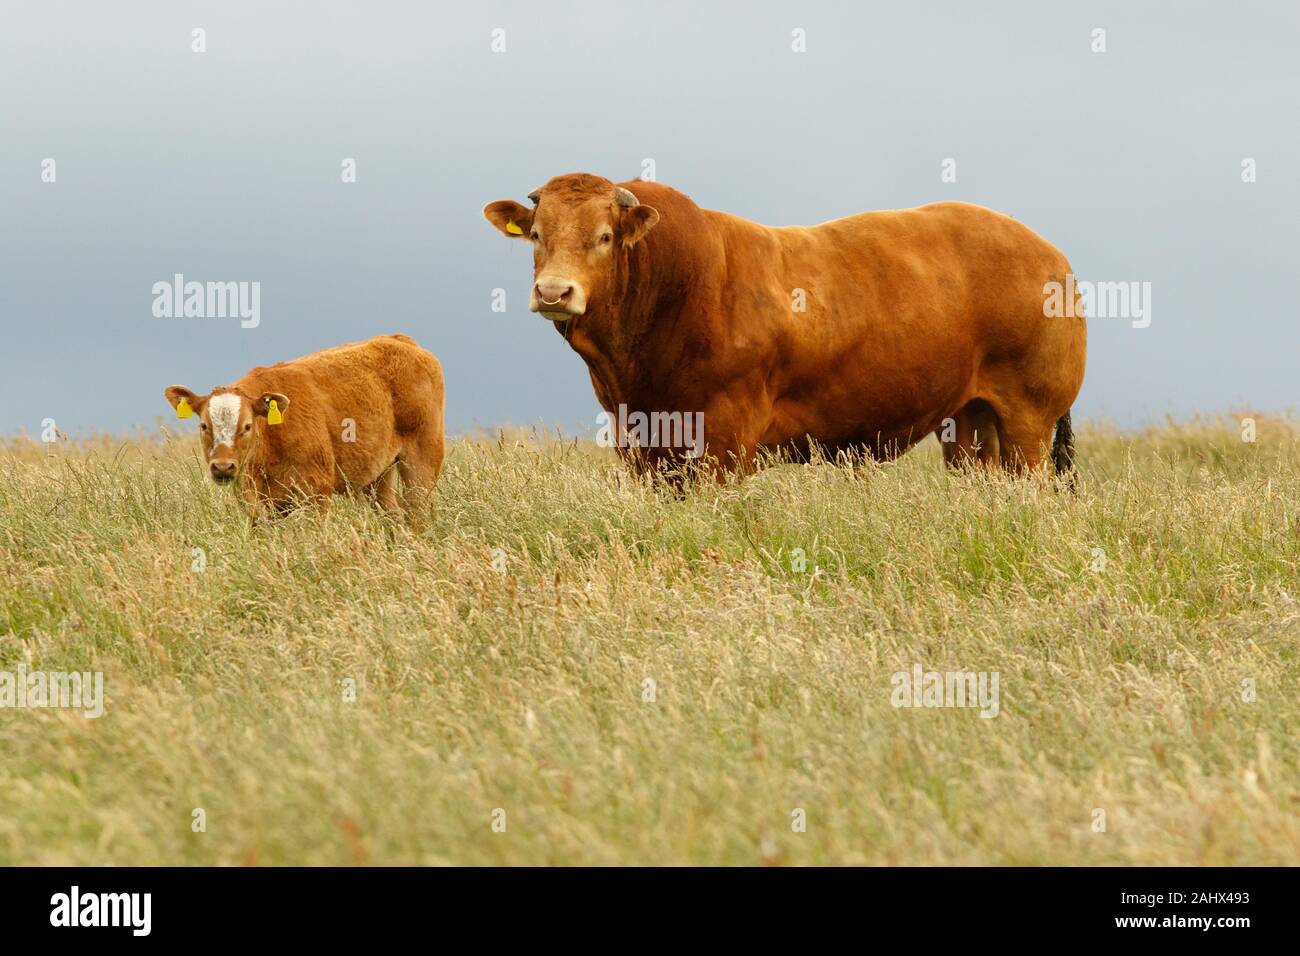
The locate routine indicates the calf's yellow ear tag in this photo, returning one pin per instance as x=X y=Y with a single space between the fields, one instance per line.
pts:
x=183 y=409
x=273 y=416
x=513 y=229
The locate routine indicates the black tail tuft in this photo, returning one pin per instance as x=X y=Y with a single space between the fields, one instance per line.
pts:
x=1063 y=448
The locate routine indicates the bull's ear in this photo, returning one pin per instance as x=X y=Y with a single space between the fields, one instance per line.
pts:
x=637 y=221
x=263 y=404
x=510 y=217
x=175 y=394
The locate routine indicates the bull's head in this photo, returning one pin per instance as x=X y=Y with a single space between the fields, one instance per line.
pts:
x=226 y=418
x=581 y=228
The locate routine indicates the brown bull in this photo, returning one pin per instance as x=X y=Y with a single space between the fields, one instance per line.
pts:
x=350 y=419
x=865 y=333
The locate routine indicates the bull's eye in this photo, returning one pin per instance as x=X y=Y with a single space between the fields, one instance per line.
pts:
x=607 y=237
x=534 y=236
x=248 y=426
x=202 y=427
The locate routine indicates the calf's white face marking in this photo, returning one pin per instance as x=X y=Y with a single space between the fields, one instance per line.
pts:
x=223 y=410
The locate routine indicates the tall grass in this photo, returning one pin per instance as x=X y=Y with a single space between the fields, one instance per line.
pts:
x=1123 y=687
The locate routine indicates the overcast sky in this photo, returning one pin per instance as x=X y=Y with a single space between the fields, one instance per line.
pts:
x=226 y=166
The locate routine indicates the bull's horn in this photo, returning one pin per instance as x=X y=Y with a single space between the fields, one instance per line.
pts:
x=535 y=196
x=624 y=197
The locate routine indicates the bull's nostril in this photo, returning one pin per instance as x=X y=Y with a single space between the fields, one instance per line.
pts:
x=553 y=293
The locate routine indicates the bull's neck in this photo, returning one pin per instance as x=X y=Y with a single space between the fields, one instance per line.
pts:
x=631 y=348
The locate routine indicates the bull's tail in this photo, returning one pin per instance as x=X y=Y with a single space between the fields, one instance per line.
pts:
x=1063 y=449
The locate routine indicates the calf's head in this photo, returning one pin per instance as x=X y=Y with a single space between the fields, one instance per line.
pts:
x=581 y=229
x=227 y=420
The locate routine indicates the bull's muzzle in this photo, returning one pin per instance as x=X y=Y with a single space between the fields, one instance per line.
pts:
x=557 y=299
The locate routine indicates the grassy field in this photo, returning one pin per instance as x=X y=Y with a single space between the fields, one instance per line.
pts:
x=500 y=661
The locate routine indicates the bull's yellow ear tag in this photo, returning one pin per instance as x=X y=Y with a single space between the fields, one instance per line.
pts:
x=513 y=229
x=273 y=416
x=183 y=409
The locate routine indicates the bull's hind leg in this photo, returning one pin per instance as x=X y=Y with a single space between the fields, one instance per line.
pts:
x=971 y=436
x=1026 y=440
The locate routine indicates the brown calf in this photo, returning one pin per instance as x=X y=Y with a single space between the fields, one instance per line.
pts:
x=350 y=419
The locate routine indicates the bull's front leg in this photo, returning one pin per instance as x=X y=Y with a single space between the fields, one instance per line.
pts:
x=729 y=432
x=720 y=439
x=683 y=445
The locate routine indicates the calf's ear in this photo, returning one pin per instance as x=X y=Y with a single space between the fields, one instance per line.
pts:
x=263 y=404
x=637 y=221
x=176 y=394
x=510 y=217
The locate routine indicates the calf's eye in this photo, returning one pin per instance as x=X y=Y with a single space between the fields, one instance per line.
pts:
x=607 y=237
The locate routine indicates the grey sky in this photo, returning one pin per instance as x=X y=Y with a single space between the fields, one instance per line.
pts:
x=226 y=166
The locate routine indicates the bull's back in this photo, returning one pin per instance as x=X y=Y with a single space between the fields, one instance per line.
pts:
x=952 y=267
x=902 y=312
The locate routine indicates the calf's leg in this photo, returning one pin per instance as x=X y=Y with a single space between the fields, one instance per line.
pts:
x=383 y=491
x=419 y=466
